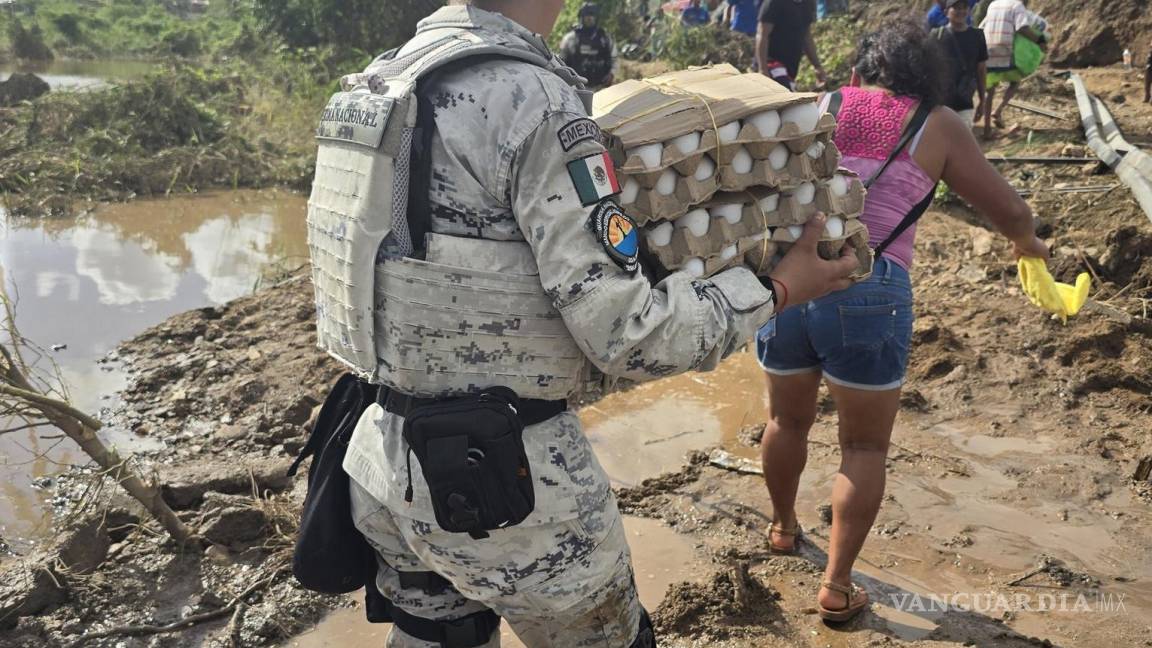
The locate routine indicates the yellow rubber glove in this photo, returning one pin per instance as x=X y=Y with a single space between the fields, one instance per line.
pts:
x=1042 y=289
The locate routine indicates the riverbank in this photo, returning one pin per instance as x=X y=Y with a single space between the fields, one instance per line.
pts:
x=179 y=129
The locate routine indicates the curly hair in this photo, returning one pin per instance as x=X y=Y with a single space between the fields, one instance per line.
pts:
x=905 y=59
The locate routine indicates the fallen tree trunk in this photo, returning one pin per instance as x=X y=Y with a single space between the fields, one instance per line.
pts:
x=36 y=407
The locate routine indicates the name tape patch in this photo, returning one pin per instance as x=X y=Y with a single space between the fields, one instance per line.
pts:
x=576 y=131
x=355 y=117
x=618 y=234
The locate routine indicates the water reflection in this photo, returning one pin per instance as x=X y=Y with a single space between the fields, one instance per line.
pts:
x=87 y=284
x=79 y=75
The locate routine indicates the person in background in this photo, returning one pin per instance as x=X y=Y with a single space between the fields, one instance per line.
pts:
x=857 y=340
x=783 y=37
x=695 y=14
x=589 y=49
x=1004 y=20
x=1148 y=78
x=967 y=54
x=740 y=16
x=938 y=14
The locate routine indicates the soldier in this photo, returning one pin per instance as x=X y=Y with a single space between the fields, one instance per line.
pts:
x=589 y=49
x=528 y=279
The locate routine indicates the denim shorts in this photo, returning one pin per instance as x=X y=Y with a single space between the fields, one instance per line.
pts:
x=859 y=337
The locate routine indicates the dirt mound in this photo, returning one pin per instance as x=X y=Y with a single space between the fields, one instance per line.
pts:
x=732 y=603
x=1095 y=32
x=21 y=86
x=1128 y=258
x=1106 y=356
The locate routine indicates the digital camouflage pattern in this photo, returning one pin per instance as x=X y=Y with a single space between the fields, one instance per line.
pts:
x=502 y=197
x=561 y=578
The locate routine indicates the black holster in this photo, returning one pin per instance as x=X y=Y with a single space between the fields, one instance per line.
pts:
x=471 y=451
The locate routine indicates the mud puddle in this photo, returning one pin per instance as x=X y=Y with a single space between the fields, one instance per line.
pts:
x=660 y=557
x=80 y=75
x=84 y=285
x=647 y=430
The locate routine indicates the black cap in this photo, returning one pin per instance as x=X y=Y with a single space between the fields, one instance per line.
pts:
x=589 y=9
x=948 y=4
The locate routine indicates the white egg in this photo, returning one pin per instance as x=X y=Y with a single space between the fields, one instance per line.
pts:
x=706 y=170
x=695 y=221
x=805 y=193
x=769 y=204
x=806 y=116
x=660 y=235
x=768 y=123
x=834 y=227
x=728 y=132
x=694 y=267
x=839 y=185
x=687 y=143
x=630 y=191
x=650 y=154
x=666 y=185
x=732 y=212
x=778 y=158
x=816 y=150
x=742 y=161
x=729 y=252
x=796 y=231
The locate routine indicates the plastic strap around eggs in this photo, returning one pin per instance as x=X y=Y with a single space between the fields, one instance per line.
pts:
x=670 y=89
x=767 y=230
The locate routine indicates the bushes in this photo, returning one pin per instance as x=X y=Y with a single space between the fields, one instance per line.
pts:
x=28 y=43
x=181 y=129
x=366 y=26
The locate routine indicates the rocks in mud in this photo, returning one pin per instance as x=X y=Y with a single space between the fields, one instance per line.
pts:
x=751 y=435
x=185 y=485
x=20 y=87
x=27 y=588
x=232 y=519
x=84 y=546
x=719 y=608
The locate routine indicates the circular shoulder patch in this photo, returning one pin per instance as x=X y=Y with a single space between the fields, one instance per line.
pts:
x=618 y=234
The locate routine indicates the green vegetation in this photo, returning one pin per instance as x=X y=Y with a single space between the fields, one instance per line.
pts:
x=837 y=39
x=180 y=129
x=124 y=28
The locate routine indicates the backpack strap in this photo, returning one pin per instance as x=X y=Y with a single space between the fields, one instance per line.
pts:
x=914 y=127
x=420 y=179
x=908 y=221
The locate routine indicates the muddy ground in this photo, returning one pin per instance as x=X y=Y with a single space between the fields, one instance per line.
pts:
x=1012 y=459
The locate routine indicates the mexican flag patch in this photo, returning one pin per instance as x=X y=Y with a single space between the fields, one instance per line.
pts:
x=594 y=178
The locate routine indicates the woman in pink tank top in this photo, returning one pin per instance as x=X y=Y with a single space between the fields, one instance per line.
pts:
x=857 y=340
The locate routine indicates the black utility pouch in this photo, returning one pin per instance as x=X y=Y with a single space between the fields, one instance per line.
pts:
x=471 y=451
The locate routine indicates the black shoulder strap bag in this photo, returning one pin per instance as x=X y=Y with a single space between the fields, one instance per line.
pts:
x=835 y=101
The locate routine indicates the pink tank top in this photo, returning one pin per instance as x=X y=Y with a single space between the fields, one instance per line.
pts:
x=869 y=126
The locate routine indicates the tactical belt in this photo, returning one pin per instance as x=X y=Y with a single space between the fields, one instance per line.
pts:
x=470 y=631
x=531 y=411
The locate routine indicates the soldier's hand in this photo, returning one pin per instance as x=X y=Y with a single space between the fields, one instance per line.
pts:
x=805 y=275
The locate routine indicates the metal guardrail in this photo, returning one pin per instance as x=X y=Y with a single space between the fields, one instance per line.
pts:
x=1132 y=165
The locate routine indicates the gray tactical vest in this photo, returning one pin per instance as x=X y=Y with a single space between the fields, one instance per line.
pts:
x=472 y=313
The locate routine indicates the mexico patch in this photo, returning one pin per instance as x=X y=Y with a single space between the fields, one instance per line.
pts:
x=594 y=178
x=576 y=131
x=618 y=234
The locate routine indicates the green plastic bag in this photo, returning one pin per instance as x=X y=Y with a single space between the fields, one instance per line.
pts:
x=1026 y=55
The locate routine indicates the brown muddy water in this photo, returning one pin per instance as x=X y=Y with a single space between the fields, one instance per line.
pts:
x=80 y=75
x=84 y=285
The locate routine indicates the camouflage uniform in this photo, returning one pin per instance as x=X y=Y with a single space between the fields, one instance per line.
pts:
x=501 y=173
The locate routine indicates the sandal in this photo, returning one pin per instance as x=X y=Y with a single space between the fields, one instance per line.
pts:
x=998 y=121
x=856 y=599
x=783 y=550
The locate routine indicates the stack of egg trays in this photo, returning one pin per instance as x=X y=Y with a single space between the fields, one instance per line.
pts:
x=811 y=155
x=769 y=220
